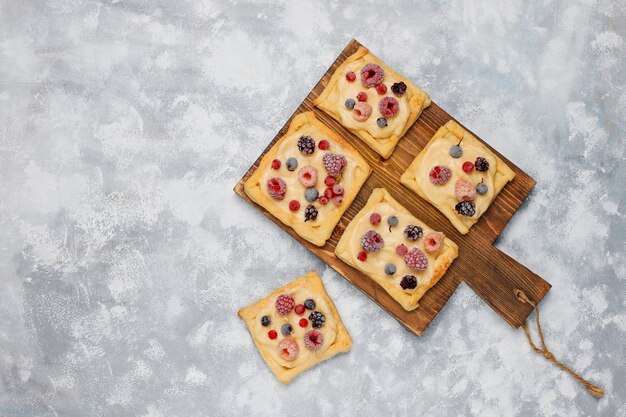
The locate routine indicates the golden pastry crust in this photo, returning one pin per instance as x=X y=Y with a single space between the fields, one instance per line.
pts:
x=352 y=178
x=435 y=153
x=349 y=245
x=311 y=284
x=382 y=140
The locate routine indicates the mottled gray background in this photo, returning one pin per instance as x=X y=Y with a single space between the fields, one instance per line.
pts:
x=124 y=254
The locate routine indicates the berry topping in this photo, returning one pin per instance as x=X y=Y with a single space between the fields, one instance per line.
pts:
x=311 y=194
x=299 y=309
x=338 y=189
x=371 y=75
x=328 y=193
x=306 y=144
x=408 y=282
x=307 y=176
x=275 y=164
x=265 y=321
x=313 y=340
x=439 y=175
x=481 y=188
x=276 y=187
x=329 y=181
x=456 y=151
x=286 y=329
x=389 y=106
x=464 y=190
x=481 y=164
x=288 y=349
x=334 y=164
x=413 y=232
x=372 y=241
x=310 y=213
x=284 y=304
x=390 y=269
x=362 y=256
x=323 y=200
x=309 y=304
x=292 y=164
x=466 y=208
x=294 y=205
x=338 y=199
x=416 y=259
x=381 y=122
x=361 y=96
x=392 y=221
x=401 y=249
x=398 y=88
x=381 y=89
x=317 y=319
x=351 y=76
x=433 y=242
x=361 y=111
x=350 y=103
x=323 y=145
x=375 y=219
x=303 y=322
x=272 y=334
x=468 y=167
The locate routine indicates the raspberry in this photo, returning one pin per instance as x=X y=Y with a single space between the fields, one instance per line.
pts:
x=361 y=96
x=329 y=181
x=389 y=106
x=338 y=199
x=362 y=256
x=372 y=241
x=433 y=242
x=310 y=213
x=468 y=167
x=481 y=164
x=361 y=111
x=284 y=304
x=276 y=188
x=371 y=75
x=439 y=175
x=334 y=164
x=464 y=190
x=338 y=189
x=275 y=164
x=398 y=88
x=416 y=259
x=381 y=89
x=323 y=200
x=306 y=144
x=288 y=349
x=350 y=76
x=466 y=208
x=313 y=340
x=294 y=205
x=412 y=232
x=317 y=319
x=375 y=218
x=401 y=249
x=408 y=282
x=307 y=176
x=323 y=145
x=272 y=334
x=299 y=309
x=303 y=322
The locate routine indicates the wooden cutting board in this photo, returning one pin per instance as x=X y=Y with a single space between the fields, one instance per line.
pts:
x=490 y=273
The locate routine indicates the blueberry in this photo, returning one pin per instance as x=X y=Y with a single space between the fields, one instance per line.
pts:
x=381 y=121
x=482 y=188
x=292 y=164
x=392 y=221
x=456 y=151
x=286 y=329
x=390 y=269
x=265 y=321
x=311 y=194
x=309 y=304
x=350 y=103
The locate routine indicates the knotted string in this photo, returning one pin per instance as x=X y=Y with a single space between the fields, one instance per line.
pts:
x=595 y=390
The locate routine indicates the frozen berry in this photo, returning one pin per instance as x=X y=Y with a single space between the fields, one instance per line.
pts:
x=328 y=193
x=303 y=322
x=338 y=189
x=361 y=111
x=334 y=163
x=286 y=329
x=288 y=349
x=313 y=340
x=372 y=75
x=390 y=269
x=468 y=167
x=439 y=175
x=309 y=304
x=464 y=190
x=433 y=242
x=276 y=187
x=481 y=164
x=284 y=304
x=338 y=199
x=272 y=334
x=413 y=232
x=381 y=122
x=275 y=164
x=329 y=181
x=481 y=188
x=294 y=205
x=310 y=213
x=466 y=208
x=292 y=164
x=361 y=96
x=265 y=321
x=351 y=76
x=307 y=176
x=372 y=241
x=401 y=249
x=311 y=194
x=317 y=319
x=323 y=145
x=299 y=309
x=416 y=259
x=389 y=106
x=362 y=256
x=323 y=200
x=375 y=219
x=350 y=103
x=456 y=151
x=381 y=89
x=398 y=88
x=408 y=282
x=392 y=221
x=306 y=144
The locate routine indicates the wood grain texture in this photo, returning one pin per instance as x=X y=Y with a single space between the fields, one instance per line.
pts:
x=490 y=273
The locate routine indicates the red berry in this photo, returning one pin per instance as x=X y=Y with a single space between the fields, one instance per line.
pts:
x=401 y=250
x=272 y=334
x=361 y=96
x=351 y=76
x=323 y=145
x=294 y=205
x=338 y=189
x=275 y=164
x=381 y=89
x=329 y=181
x=375 y=218
x=323 y=200
x=328 y=193
x=299 y=309
x=303 y=322
x=468 y=167
x=362 y=256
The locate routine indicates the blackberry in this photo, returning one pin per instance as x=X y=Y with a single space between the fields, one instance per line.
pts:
x=310 y=213
x=398 y=88
x=412 y=232
x=372 y=241
x=309 y=304
x=408 y=282
x=306 y=144
x=481 y=164
x=466 y=208
x=317 y=319
x=265 y=321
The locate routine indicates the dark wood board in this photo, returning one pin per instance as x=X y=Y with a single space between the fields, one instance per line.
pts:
x=490 y=273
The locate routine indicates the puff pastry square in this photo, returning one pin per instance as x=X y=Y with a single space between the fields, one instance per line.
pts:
x=444 y=197
x=351 y=178
x=339 y=89
x=374 y=266
x=283 y=363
